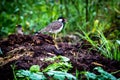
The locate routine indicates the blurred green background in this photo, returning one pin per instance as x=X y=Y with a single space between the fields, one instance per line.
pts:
x=33 y=15
x=96 y=21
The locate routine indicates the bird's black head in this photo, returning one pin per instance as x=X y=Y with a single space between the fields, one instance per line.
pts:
x=62 y=19
x=19 y=26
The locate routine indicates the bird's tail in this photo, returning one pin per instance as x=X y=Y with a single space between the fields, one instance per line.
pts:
x=41 y=31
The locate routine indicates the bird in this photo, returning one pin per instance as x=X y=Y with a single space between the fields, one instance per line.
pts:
x=19 y=29
x=54 y=27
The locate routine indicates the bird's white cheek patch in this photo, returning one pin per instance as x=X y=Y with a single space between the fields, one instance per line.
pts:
x=60 y=20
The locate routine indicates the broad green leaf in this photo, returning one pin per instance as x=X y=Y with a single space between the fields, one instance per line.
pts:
x=61 y=75
x=51 y=59
x=118 y=41
x=91 y=75
x=30 y=75
x=37 y=76
x=35 y=68
x=63 y=58
x=23 y=73
x=62 y=66
x=51 y=67
x=105 y=74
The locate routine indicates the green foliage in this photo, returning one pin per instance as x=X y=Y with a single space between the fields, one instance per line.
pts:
x=118 y=41
x=61 y=66
x=60 y=63
x=35 y=68
x=58 y=75
x=28 y=75
x=36 y=14
x=34 y=74
x=108 y=48
x=90 y=75
x=60 y=58
x=52 y=71
x=77 y=73
x=14 y=73
x=103 y=75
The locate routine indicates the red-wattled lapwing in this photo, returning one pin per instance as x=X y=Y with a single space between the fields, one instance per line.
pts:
x=54 y=27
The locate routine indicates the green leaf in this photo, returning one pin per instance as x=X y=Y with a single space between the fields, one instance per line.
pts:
x=62 y=66
x=51 y=59
x=90 y=75
x=30 y=75
x=37 y=76
x=118 y=41
x=63 y=58
x=35 y=68
x=105 y=74
x=61 y=75
x=23 y=73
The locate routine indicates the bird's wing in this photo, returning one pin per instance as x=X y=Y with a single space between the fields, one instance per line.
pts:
x=56 y=25
x=51 y=27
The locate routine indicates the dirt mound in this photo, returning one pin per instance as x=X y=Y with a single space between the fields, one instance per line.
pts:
x=26 y=50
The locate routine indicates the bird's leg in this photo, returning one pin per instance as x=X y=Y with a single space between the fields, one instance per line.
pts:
x=55 y=35
x=56 y=45
x=54 y=40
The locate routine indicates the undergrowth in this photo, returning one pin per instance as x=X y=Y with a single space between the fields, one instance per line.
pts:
x=110 y=48
x=53 y=72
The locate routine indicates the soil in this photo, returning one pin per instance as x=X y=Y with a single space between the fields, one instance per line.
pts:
x=26 y=50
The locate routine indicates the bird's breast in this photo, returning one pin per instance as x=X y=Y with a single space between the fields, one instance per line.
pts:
x=57 y=30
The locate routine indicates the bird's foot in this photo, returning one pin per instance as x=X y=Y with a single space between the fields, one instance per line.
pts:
x=56 y=46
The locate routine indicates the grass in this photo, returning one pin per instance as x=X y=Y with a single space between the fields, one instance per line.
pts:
x=108 y=48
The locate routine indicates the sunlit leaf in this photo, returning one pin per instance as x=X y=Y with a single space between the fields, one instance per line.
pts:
x=118 y=41
x=63 y=58
x=35 y=68
x=105 y=74
x=30 y=75
x=61 y=75
x=23 y=73
x=91 y=75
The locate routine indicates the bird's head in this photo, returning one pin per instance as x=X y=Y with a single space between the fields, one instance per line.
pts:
x=62 y=19
x=19 y=26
